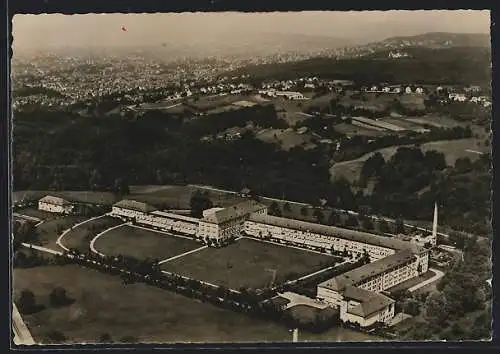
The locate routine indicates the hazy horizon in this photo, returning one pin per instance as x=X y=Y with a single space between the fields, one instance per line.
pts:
x=53 y=31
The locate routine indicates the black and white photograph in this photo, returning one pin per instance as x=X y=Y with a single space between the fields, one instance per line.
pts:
x=251 y=177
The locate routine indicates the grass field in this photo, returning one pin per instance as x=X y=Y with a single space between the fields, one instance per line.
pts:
x=244 y=264
x=176 y=197
x=142 y=244
x=286 y=138
x=452 y=149
x=104 y=305
x=40 y=214
x=105 y=198
x=80 y=236
x=47 y=231
x=352 y=130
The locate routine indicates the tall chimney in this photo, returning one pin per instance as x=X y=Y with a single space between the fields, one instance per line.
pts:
x=435 y=225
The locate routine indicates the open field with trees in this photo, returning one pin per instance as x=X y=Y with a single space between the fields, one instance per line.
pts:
x=245 y=263
x=142 y=244
x=129 y=313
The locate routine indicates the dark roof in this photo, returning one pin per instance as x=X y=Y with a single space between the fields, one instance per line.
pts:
x=358 y=275
x=369 y=301
x=49 y=199
x=353 y=235
x=233 y=212
x=134 y=205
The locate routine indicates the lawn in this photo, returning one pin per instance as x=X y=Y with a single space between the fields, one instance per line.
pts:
x=285 y=138
x=176 y=197
x=151 y=315
x=105 y=198
x=142 y=244
x=245 y=263
x=48 y=231
x=39 y=214
x=80 y=236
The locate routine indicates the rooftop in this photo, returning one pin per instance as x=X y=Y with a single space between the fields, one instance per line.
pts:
x=358 y=275
x=233 y=212
x=352 y=235
x=49 y=199
x=369 y=301
x=134 y=205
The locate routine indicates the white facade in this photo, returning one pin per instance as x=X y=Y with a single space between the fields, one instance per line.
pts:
x=316 y=240
x=125 y=212
x=384 y=315
x=170 y=222
x=54 y=208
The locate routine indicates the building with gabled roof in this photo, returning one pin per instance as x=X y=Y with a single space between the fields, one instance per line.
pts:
x=56 y=205
x=222 y=224
x=131 y=209
x=366 y=307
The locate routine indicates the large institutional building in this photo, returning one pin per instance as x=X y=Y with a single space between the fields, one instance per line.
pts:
x=357 y=293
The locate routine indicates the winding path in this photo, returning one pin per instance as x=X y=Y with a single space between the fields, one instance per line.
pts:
x=92 y=243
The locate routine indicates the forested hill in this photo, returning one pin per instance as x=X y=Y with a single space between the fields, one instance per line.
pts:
x=457 y=65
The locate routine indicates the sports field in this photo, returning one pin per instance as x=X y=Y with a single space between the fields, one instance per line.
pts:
x=246 y=263
x=103 y=304
x=142 y=244
x=34 y=212
x=80 y=236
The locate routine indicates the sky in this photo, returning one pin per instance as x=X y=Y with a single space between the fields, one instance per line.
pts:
x=56 y=30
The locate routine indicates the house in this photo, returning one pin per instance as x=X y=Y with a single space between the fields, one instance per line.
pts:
x=130 y=209
x=56 y=205
x=460 y=97
x=386 y=89
x=397 y=90
x=419 y=90
x=374 y=88
x=408 y=89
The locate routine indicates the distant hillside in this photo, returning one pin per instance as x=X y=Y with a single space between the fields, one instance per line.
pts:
x=457 y=65
x=436 y=40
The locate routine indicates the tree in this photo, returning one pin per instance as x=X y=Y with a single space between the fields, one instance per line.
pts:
x=351 y=221
x=320 y=217
x=333 y=219
x=287 y=207
x=367 y=224
x=58 y=297
x=399 y=227
x=105 y=338
x=274 y=209
x=383 y=226
x=304 y=211
x=27 y=302
x=199 y=202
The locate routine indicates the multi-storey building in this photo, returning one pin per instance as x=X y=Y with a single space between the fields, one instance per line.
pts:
x=220 y=225
x=131 y=209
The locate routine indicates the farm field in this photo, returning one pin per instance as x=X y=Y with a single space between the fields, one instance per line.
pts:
x=80 y=236
x=352 y=130
x=142 y=244
x=452 y=149
x=49 y=231
x=244 y=264
x=104 y=198
x=176 y=197
x=103 y=304
x=286 y=138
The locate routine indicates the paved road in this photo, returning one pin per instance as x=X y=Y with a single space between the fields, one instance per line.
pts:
x=183 y=254
x=439 y=274
x=59 y=239
x=22 y=335
x=92 y=243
